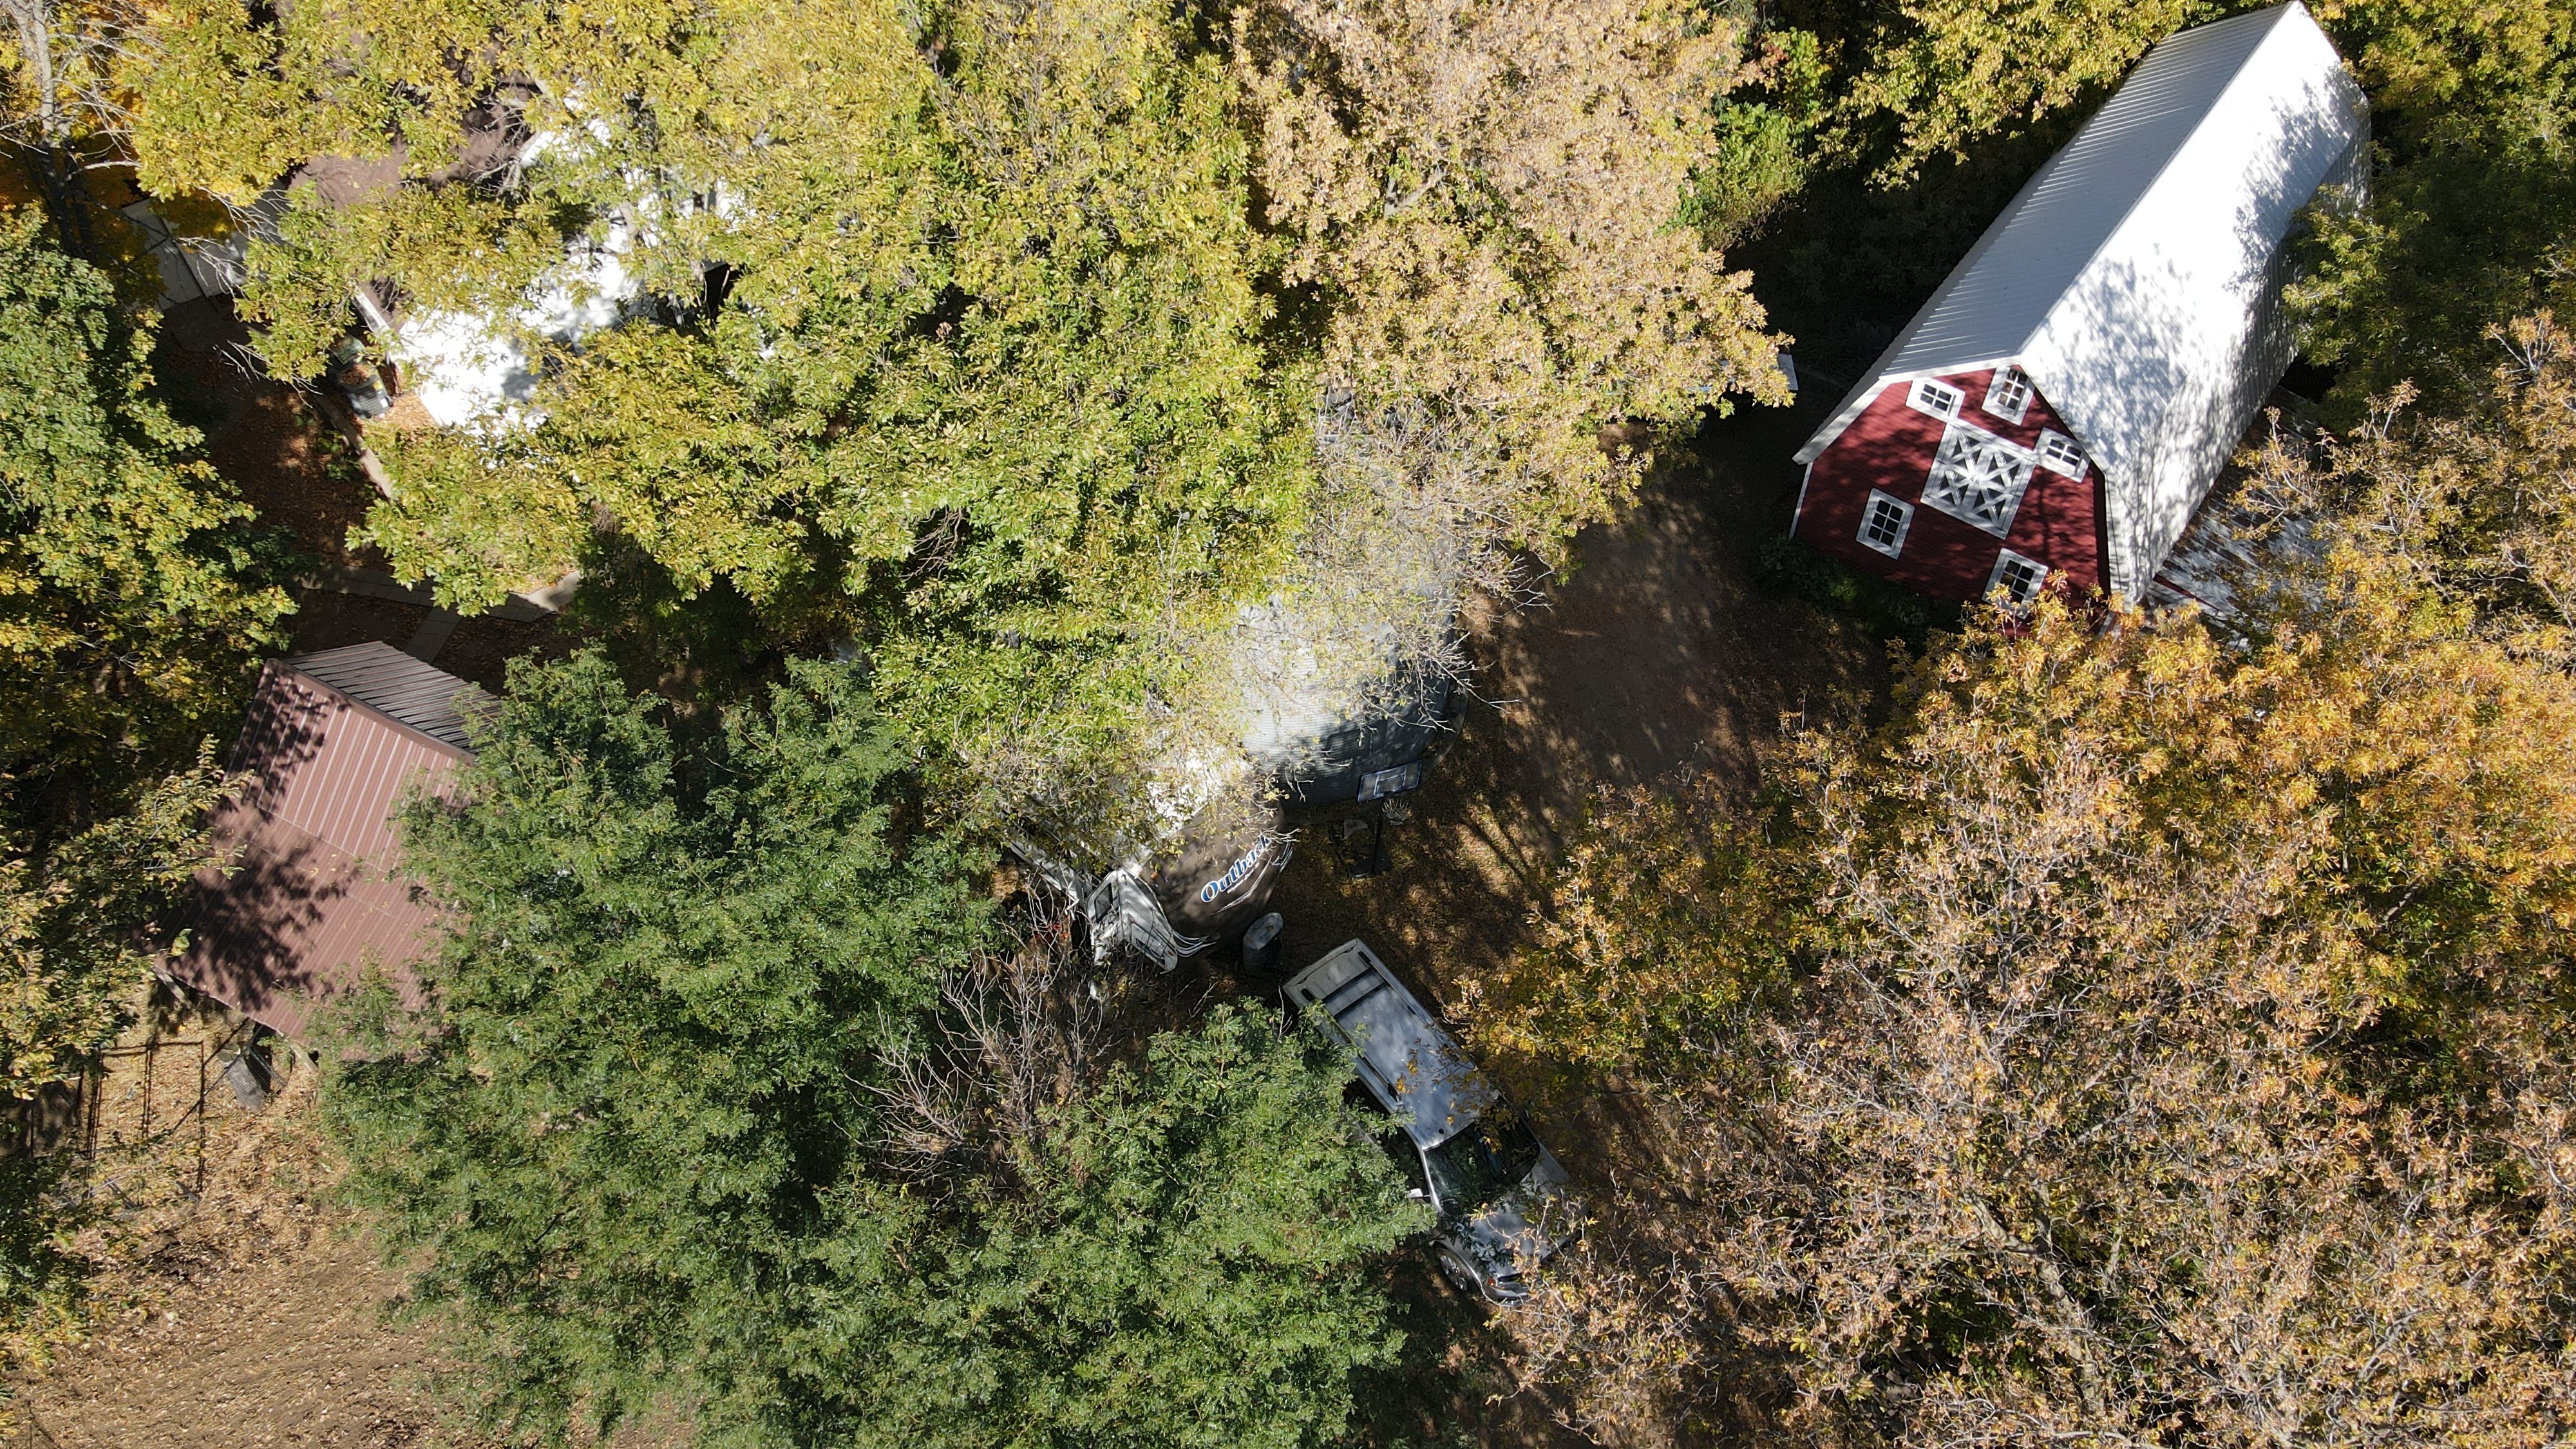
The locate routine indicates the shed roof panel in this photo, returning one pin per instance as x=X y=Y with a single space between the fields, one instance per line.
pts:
x=392 y=683
x=314 y=899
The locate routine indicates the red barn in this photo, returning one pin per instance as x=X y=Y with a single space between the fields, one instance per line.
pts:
x=2062 y=404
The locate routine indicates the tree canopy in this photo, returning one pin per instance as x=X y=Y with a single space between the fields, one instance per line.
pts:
x=1172 y=1252
x=645 y=1036
x=697 y=1110
x=2131 y=1030
x=2116 y=1031
x=1491 y=195
x=2471 y=205
x=131 y=611
x=1002 y=325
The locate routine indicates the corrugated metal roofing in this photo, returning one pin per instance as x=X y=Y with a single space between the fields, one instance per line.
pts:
x=2135 y=278
x=333 y=743
x=396 y=685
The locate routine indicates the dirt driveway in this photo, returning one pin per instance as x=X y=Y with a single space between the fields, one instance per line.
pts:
x=1659 y=651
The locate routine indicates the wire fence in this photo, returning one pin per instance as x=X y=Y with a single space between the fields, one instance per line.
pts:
x=137 y=1102
x=128 y=1139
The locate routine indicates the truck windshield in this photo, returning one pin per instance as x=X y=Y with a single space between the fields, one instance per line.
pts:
x=1483 y=1162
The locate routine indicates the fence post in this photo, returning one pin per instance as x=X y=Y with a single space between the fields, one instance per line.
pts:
x=205 y=1054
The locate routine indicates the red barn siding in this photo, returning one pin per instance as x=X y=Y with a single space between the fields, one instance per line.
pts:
x=1890 y=446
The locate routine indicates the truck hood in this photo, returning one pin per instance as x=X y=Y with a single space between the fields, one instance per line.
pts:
x=1526 y=1224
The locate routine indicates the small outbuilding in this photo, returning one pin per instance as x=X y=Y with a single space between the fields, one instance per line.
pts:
x=313 y=898
x=2060 y=407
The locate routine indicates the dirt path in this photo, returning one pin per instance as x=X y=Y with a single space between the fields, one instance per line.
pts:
x=248 y=1314
x=251 y=1316
x=289 y=1350
x=1657 y=652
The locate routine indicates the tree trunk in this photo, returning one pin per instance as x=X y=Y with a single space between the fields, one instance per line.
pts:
x=50 y=151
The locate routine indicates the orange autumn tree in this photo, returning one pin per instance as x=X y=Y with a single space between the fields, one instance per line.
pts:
x=2132 y=1038
x=2475 y=509
x=1491 y=202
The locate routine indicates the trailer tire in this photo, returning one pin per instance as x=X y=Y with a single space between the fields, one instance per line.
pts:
x=1459 y=1275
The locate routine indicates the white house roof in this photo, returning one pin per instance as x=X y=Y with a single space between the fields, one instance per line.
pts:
x=470 y=370
x=2136 y=277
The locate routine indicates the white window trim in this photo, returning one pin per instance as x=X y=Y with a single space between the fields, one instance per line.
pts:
x=1995 y=579
x=1915 y=399
x=2002 y=376
x=2045 y=461
x=1904 y=523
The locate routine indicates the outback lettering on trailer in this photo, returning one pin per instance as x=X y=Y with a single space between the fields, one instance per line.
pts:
x=1235 y=874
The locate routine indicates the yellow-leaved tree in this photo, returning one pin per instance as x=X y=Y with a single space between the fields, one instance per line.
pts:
x=2131 y=1030
x=999 y=334
x=1491 y=201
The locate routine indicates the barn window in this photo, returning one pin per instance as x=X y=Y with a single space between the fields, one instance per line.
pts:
x=2008 y=395
x=2020 y=578
x=2058 y=454
x=1978 y=478
x=1883 y=523
x=1937 y=398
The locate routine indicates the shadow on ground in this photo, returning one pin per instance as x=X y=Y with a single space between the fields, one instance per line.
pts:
x=1658 y=651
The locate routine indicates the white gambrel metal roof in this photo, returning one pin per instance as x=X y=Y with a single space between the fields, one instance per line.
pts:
x=2137 y=276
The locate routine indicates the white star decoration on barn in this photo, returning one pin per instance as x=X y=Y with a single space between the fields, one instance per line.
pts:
x=1978 y=478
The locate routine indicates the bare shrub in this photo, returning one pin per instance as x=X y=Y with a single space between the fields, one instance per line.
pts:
x=1020 y=1033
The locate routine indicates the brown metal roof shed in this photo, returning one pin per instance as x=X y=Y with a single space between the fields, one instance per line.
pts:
x=333 y=743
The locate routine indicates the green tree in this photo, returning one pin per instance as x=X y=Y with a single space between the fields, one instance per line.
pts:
x=965 y=319
x=1165 y=1252
x=131 y=616
x=131 y=620
x=2472 y=207
x=1936 y=78
x=646 y=1034
x=953 y=312
x=679 y=1118
x=68 y=917
x=2468 y=223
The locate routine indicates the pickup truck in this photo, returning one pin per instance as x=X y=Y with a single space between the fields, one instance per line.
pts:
x=1499 y=1194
